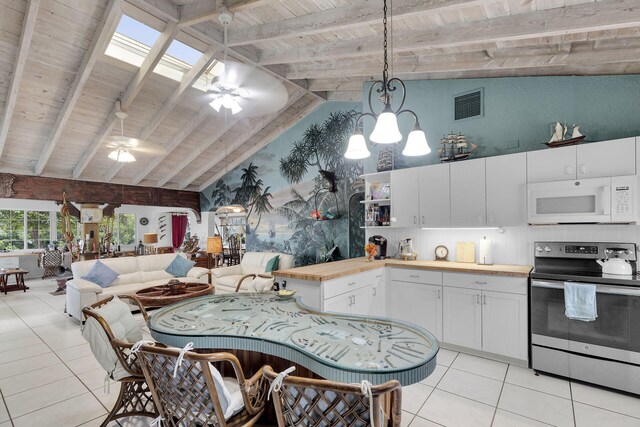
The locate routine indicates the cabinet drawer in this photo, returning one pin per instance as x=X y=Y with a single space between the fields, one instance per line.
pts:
x=416 y=276
x=514 y=285
x=349 y=283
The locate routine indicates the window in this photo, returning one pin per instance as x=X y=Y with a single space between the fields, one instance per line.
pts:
x=11 y=230
x=124 y=229
x=38 y=229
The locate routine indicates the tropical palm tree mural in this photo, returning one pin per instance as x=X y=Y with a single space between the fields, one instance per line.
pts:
x=307 y=168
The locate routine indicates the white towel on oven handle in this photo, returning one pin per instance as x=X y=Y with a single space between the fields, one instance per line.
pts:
x=580 y=301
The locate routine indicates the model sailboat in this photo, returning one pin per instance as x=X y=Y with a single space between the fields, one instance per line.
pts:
x=455 y=147
x=561 y=137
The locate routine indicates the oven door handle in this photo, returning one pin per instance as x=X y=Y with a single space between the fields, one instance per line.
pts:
x=600 y=289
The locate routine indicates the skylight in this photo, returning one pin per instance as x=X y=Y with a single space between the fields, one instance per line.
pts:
x=133 y=40
x=137 y=31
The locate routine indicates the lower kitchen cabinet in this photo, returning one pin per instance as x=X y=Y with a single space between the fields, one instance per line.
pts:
x=462 y=317
x=417 y=303
x=504 y=324
x=378 y=301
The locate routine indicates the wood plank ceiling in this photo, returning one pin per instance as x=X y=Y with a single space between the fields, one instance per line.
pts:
x=58 y=88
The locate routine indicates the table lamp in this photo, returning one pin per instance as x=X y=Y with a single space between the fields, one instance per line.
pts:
x=149 y=239
x=214 y=246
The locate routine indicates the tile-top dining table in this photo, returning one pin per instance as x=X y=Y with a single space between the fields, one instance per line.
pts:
x=333 y=346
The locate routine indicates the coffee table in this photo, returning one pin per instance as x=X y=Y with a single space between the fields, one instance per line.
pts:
x=4 y=280
x=159 y=296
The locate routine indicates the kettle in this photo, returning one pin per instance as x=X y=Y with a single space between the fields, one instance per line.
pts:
x=615 y=265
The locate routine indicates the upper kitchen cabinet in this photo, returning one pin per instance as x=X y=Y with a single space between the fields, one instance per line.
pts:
x=435 y=196
x=597 y=160
x=608 y=158
x=468 y=194
x=404 y=200
x=506 y=182
x=551 y=164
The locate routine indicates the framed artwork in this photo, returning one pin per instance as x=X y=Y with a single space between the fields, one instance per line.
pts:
x=90 y=215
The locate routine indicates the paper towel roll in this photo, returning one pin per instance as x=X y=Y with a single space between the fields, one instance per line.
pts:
x=485 y=255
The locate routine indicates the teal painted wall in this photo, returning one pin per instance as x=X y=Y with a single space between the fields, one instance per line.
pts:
x=519 y=112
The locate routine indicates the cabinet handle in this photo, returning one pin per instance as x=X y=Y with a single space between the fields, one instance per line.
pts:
x=568 y=170
x=584 y=169
x=484 y=299
x=414 y=276
x=478 y=282
x=477 y=298
x=351 y=283
x=423 y=220
x=379 y=276
x=415 y=219
x=438 y=293
x=354 y=299
x=375 y=291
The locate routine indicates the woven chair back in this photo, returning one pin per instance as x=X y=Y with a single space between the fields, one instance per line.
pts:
x=322 y=403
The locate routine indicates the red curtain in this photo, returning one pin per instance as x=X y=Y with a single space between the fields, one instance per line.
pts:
x=178 y=228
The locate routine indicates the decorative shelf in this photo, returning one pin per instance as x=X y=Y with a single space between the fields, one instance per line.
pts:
x=366 y=202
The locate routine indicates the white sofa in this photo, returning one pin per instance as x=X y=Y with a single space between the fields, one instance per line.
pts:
x=225 y=279
x=135 y=273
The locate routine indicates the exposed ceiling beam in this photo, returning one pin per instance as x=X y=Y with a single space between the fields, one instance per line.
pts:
x=28 y=26
x=163 y=9
x=362 y=13
x=101 y=38
x=188 y=79
x=198 y=151
x=586 y=17
x=175 y=140
x=494 y=60
x=302 y=113
x=206 y=10
x=248 y=131
x=126 y=99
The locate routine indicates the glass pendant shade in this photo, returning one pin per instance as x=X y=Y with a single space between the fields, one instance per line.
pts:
x=122 y=155
x=386 y=130
x=416 y=143
x=357 y=148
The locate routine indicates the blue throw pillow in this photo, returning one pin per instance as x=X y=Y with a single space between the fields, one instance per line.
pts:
x=180 y=266
x=272 y=265
x=101 y=275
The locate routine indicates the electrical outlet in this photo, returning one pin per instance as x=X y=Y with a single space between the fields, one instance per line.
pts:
x=509 y=145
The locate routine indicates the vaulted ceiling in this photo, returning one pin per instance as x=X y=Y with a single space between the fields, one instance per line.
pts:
x=58 y=88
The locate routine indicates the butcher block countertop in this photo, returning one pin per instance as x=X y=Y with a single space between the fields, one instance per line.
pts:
x=337 y=269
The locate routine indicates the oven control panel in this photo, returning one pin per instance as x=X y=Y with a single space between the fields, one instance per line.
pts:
x=584 y=250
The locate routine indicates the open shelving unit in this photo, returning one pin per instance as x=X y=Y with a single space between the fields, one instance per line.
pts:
x=377 y=200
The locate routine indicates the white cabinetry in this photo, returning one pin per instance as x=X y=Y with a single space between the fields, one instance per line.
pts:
x=435 y=202
x=504 y=324
x=362 y=294
x=378 y=300
x=404 y=200
x=418 y=303
x=597 y=160
x=506 y=183
x=468 y=195
x=462 y=317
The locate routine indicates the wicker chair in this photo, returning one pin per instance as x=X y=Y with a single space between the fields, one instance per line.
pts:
x=191 y=398
x=134 y=398
x=322 y=403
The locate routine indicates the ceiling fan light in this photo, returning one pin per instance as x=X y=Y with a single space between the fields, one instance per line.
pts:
x=386 y=130
x=357 y=148
x=235 y=107
x=227 y=101
x=417 y=144
x=122 y=155
x=216 y=104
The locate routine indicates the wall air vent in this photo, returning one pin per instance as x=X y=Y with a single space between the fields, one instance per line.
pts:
x=469 y=104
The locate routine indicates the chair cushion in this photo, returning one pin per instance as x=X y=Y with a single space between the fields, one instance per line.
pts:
x=124 y=327
x=229 y=281
x=261 y=284
x=101 y=275
x=228 y=393
x=272 y=264
x=179 y=267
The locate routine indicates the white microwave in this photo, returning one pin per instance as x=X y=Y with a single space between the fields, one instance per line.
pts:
x=595 y=200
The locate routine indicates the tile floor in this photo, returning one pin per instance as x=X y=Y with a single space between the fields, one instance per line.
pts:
x=48 y=377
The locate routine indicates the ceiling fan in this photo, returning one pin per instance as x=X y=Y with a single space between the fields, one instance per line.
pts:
x=242 y=87
x=121 y=145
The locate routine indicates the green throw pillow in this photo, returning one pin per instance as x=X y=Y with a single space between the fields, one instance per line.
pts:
x=272 y=265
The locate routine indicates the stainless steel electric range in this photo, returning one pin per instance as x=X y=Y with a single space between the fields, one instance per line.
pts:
x=605 y=351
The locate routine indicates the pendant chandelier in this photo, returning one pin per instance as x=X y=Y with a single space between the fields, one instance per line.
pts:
x=386 y=128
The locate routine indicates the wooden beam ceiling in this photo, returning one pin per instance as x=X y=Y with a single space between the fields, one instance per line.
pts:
x=101 y=38
x=28 y=26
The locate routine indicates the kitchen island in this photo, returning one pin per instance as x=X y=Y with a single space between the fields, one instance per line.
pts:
x=476 y=308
